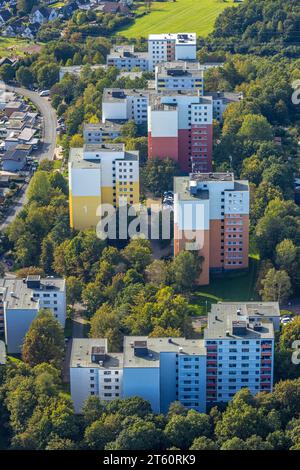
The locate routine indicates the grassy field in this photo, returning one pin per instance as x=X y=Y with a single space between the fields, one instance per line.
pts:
x=235 y=287
x=13 y=47
x=177 y=16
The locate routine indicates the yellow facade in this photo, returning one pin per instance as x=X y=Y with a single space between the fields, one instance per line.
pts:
x=83 y=211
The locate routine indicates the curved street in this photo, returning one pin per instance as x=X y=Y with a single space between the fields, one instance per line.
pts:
x=48 y=144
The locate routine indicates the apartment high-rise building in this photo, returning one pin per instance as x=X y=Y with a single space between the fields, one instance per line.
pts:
x=100 y=174
x=179 y=76
x=180 y=127
x=169 y=47
x=21 y=299
x=125 y=58
x=123 y=105
x=237 y=351
x=161 y=370
x=211 y=212
x=94 y=371
x=239 y=341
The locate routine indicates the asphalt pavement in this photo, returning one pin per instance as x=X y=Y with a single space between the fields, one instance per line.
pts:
x=47 y=147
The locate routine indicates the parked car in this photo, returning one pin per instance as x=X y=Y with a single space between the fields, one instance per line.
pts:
x=45 y=93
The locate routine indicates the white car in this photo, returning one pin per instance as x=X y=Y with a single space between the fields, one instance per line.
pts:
x=285 y=320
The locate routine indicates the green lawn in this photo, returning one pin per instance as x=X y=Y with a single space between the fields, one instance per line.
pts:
x=12 y=47
x=235 y=287
x=177 y=16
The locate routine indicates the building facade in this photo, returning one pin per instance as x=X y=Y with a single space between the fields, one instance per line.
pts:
x=93 y=371
x=20 y=301
x=123 y=105
x=237 y=351
x=101 y=132
x=211 y=211
x=180 y=127
x=100 y=174
x=239 y=340
x=125 y=58
x=179 y=76
x=169 y=47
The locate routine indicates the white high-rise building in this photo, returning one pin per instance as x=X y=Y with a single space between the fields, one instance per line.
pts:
x=169 y=47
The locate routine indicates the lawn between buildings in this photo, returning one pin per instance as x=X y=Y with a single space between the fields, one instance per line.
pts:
x=176 y=16
x=234 y=286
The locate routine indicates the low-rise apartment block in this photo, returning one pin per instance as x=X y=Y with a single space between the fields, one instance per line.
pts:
x=123 y=105
x=101 y=174
x=211 y=216
x=20 y=301
x=180 y=76
x=125 y=58
x=101 y=132
x=180 y=127
x=237 y=351
x=169 y=47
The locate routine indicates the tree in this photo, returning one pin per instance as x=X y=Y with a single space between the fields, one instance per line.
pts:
x=59 y=443
x=74 y=289
x=24 y=76
x=256 y=127
x=286 y=253
x=157 y=175
x=47 y=75
x=185 y=269
x=289 y=334
x=276 y=286
x=203 y=443
x=240 y=419
x=132 y=406
x=157 y=272
x=76 y=141
x=44 y=341
x=181 y=431
x=138 y=253
x=92 y=409
x=129 y=129
x=101 y=432
x=7 y=72
x=106 y=324
x=140 y=435
x=39 y=189
x=47 y=255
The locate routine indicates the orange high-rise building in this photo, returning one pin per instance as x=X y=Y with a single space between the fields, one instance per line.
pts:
x=211 y=215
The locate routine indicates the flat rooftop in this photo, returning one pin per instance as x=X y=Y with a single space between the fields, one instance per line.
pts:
x=222 y=320
x=179 y=38
x=182 y=184
x=77 y=160
x=18 y=295
x=120 y=94
x=126 y=51
x=257 y=309
x=100 y=126
x=81 y=354
x=155 y=346
x=179 y=68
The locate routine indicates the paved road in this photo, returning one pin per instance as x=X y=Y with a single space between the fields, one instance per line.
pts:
x=47 y=149
x=50 y=121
